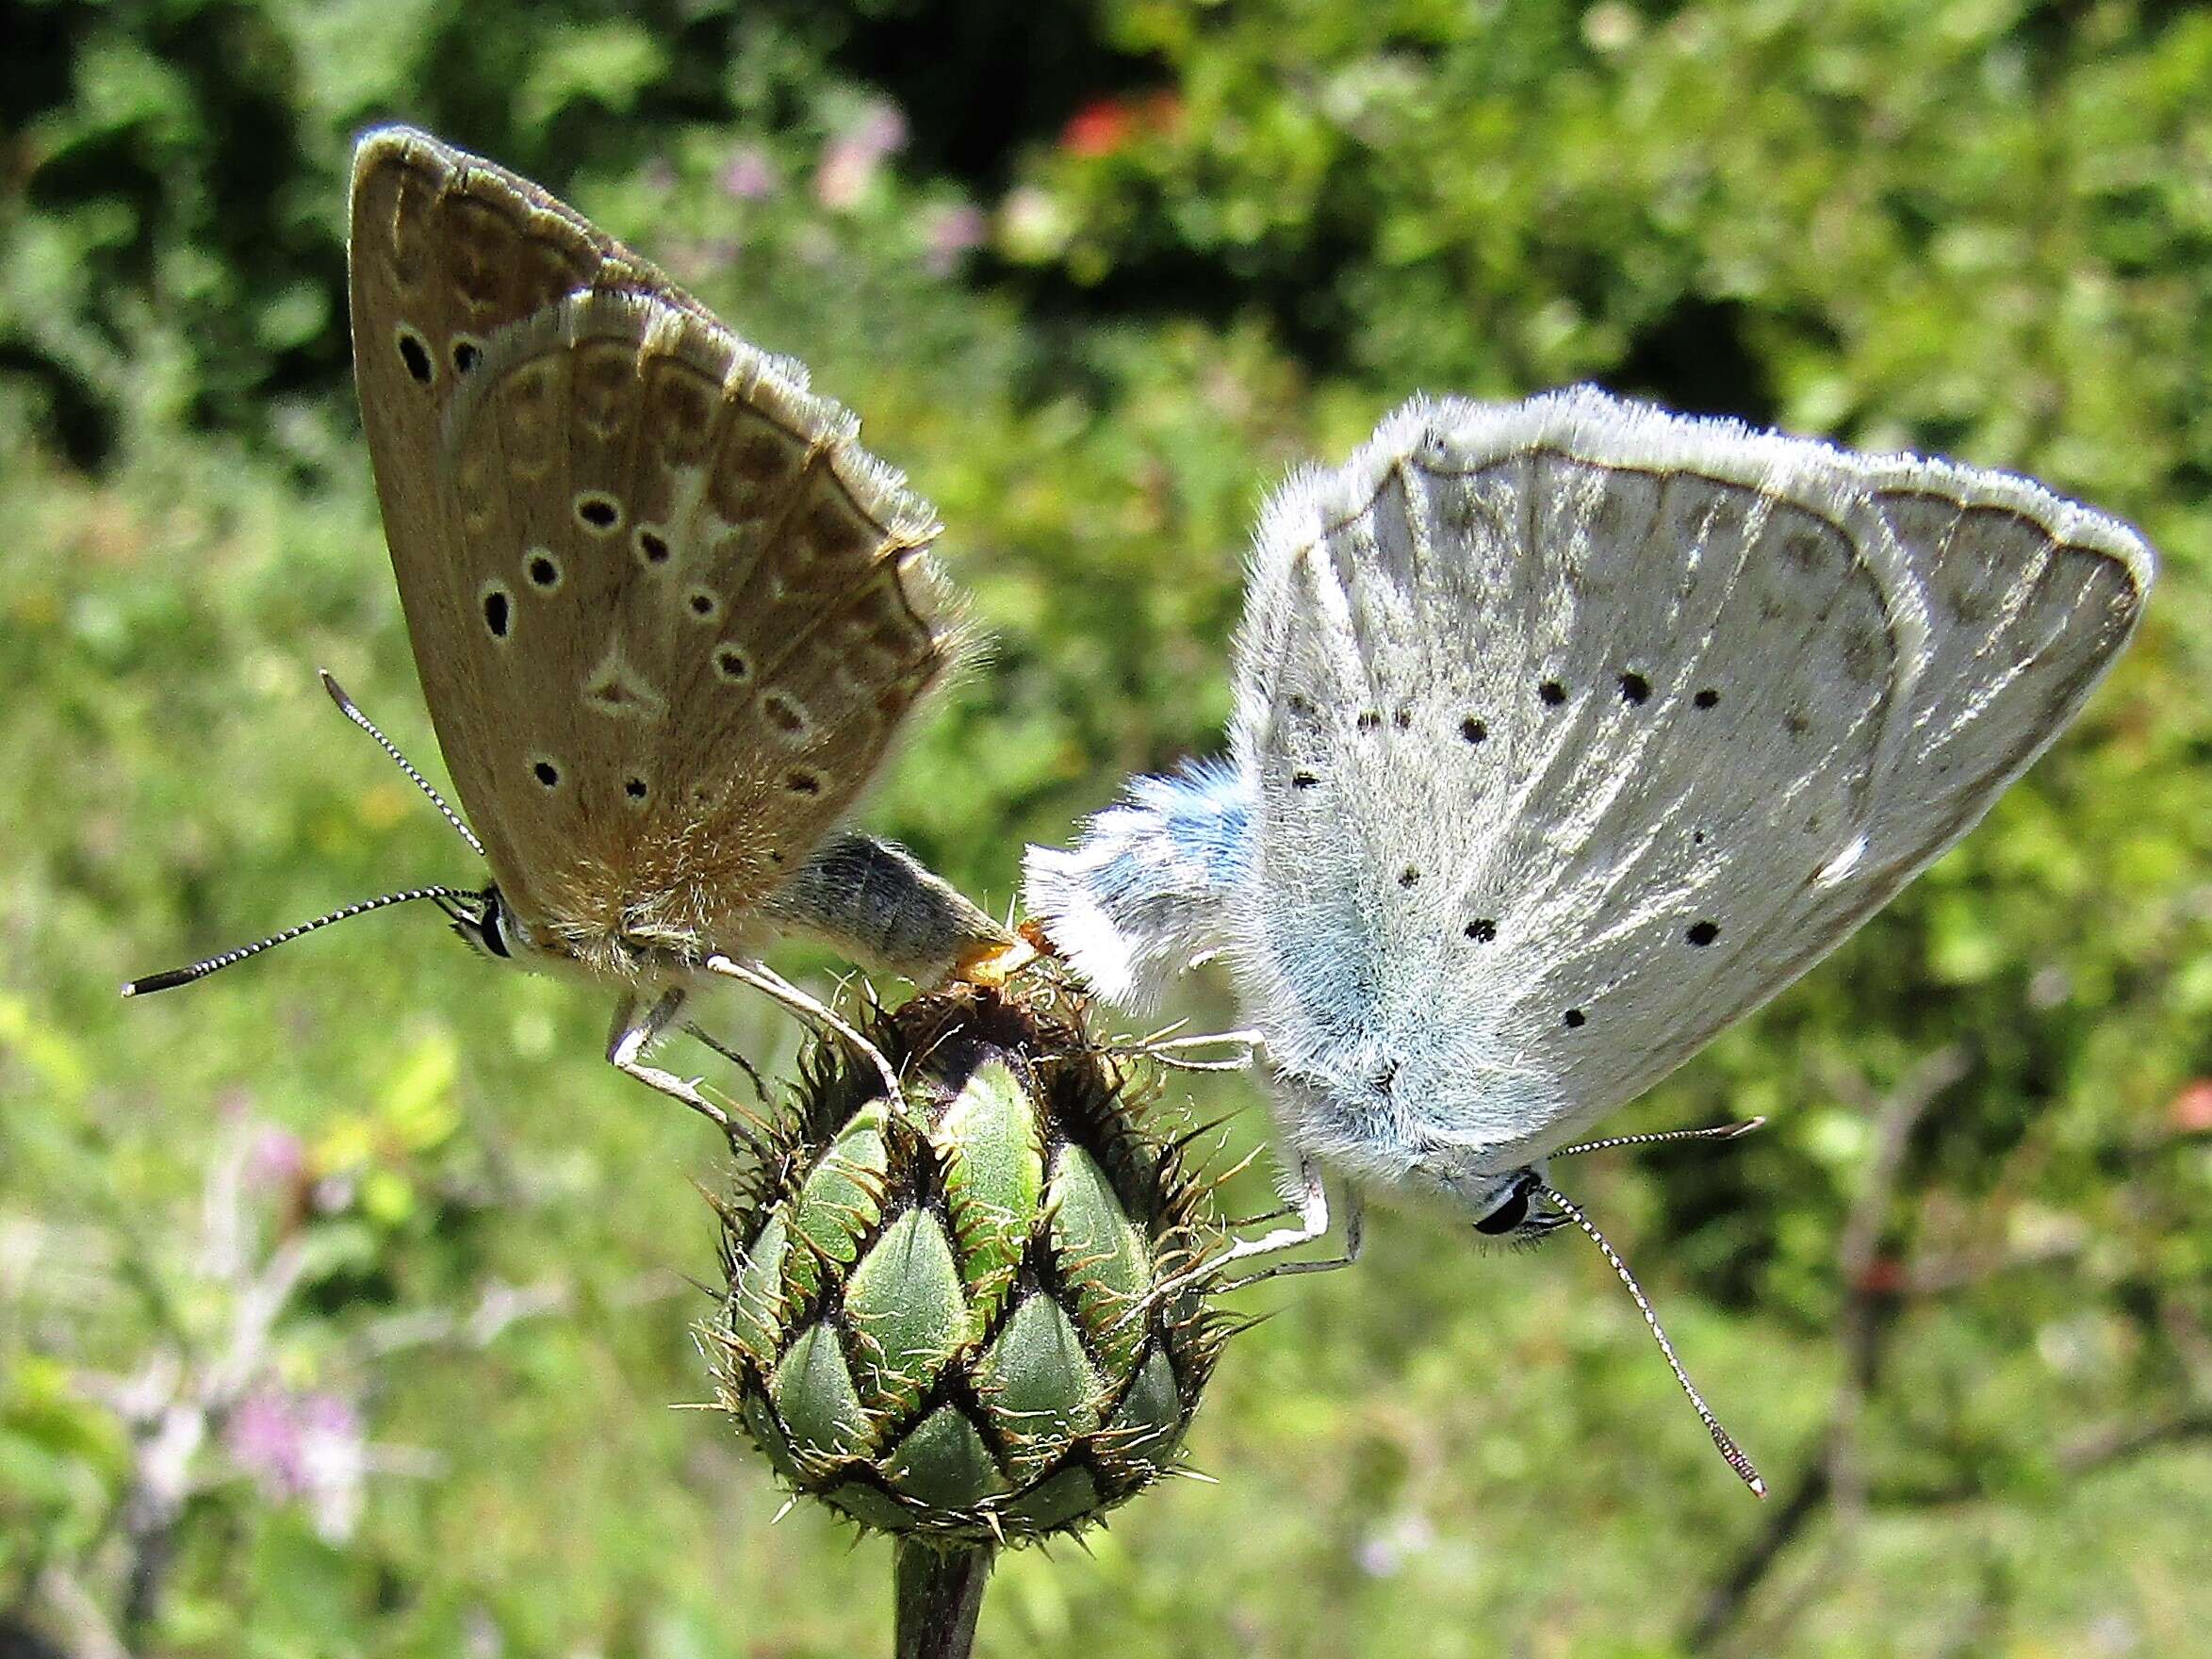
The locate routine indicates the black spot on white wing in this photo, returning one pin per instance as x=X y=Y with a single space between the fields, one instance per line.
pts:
x=1482 y=930
x=1635 y=690
x=1707 y=697
x=1474 y=731
x=1574 y=1019
x=1552 y=693
x=1702 y=933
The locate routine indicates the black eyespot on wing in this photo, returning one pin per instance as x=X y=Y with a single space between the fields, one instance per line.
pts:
x=730 y=664
x=652 y=547
x=1408 y=877
x=1636 y=689
x=1702 y=933
x=414 y=357
x=1552 y=693
x=1482 y=930
x=497 y=614
x=1575 y=1019
x=598 y=511
x=543 y=571
x=1473 y=729
x=1706 y=699
x=635 y=789
x=467 y=355
x=546 y=773
x=702 y=603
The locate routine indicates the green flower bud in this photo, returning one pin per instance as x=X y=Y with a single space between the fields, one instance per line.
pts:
x=972 y=1313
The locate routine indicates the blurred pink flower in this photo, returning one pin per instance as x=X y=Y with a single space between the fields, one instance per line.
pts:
x=950 y=233
x=275 y=1158
x=749 y=175
x=2192 y=1110
x=304 y=1448
x=851 y=159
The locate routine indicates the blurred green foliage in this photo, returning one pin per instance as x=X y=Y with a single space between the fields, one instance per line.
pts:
x=1096 y=278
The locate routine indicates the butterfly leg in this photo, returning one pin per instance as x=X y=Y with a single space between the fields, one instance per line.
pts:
x=1310 y=1205
x=770 y=983
x=1354 y=1229
x=634 y=1033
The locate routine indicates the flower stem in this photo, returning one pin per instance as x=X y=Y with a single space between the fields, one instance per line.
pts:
x=940 y=1591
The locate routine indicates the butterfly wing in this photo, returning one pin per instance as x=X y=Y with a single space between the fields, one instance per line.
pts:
x=1576 y=731
x=1148 y=885
x=666 y=613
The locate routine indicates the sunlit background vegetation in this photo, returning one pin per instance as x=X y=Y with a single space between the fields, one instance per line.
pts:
x=344 y=1300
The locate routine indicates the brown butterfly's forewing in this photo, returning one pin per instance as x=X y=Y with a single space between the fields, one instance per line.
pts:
x=666 y=613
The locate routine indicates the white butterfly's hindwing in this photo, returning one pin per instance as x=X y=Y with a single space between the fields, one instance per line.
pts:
x=1148 y=885
x=1575 y=730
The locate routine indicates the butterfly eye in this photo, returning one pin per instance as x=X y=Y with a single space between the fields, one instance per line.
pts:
x=1508 y=1216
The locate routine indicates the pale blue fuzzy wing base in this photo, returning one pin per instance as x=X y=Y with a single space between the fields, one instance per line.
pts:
x=1147 y=886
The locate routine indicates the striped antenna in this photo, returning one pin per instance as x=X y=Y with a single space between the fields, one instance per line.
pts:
x=461 y=903
x=345 y=703
x=1711 y=1132
x=1728 y=1449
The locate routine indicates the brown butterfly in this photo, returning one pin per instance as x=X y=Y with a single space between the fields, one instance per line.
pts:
x=669 y=615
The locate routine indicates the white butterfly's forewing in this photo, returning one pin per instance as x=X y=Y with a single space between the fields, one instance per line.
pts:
x=1577 y=731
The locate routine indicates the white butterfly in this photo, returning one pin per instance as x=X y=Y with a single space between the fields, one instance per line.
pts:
x=1568 y=732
